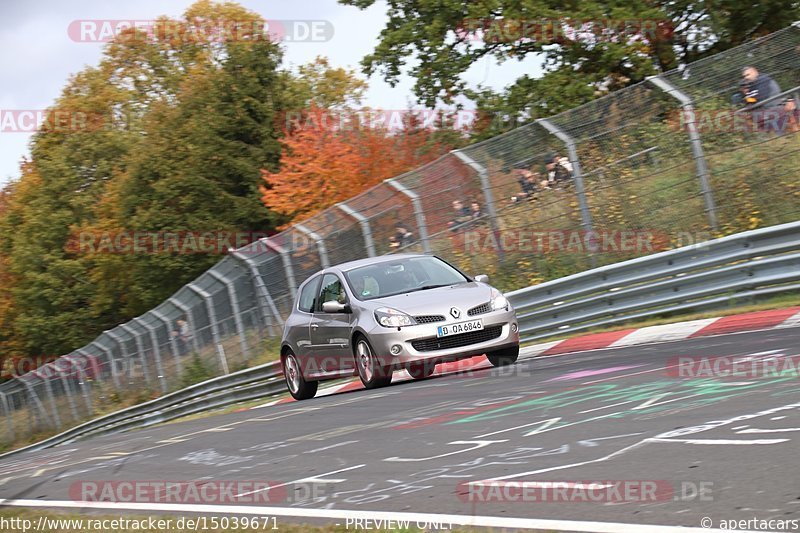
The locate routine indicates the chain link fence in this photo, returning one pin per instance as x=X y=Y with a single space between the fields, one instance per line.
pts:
x=661 y=164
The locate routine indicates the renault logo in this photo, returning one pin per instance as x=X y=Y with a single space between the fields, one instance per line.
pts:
x=455 y=311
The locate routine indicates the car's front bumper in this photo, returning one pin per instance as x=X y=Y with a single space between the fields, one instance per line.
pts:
x=383 y=339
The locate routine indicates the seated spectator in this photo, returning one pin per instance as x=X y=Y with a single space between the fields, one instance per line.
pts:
x=401 y=238
x=529 y=182
x=559 y=170
x=461 y=214
x=475 y=210
x=792 y=110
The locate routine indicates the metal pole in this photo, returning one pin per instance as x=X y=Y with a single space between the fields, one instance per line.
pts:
x=173 y=343
x=67 y=391
x=363 y=221
x=139 y=348
x=7 y=411
x=110 y=355
x=697 y=145
x=237 y=316
x=212 y=317
x=418 y=212
x=323 y=251
x=265 y=300
x=287 y=265
x=156 y=352
x=486 y=186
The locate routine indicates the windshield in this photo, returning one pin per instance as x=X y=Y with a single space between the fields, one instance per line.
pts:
x=402 y=276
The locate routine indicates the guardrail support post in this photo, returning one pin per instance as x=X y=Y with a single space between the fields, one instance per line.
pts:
x=369 y=244
x=486 y=186
x=237 y=316
x=265 y=303
x=418 y=212
x=697 y=145
x=287 y=265
x=323 y=251
x=212 y=317
x=156 y=352
x=139 y=348
x=173 y=343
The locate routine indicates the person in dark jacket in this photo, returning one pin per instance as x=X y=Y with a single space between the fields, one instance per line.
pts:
x=760 y=87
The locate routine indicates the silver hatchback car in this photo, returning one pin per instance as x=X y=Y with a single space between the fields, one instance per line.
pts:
x=373 y=316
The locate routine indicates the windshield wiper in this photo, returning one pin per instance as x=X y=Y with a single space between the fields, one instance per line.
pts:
x=426 y=287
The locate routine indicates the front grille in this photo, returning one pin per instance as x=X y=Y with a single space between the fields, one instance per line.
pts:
x=428 y=319
x=479 y=310
x=457 y=341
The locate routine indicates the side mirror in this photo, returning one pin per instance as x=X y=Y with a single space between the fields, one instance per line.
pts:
x=483 y=278
x=335 y=307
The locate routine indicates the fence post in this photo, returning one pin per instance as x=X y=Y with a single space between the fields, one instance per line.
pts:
x=697 y=145
x=577 y=176
x=41 y=414
x=287 y=265
x=418 y=212
x=212 y=317
x=125 y=355
x=486 y=186
x=323 y=251
x=173 y=343
x=140 y=349
x=85 y=387
x=110 y=355
x=187 y=311
x=156 y=352
x=7 y=413
x=237 y=316
x=265 y=302
x=67 y=390
x=369 y=244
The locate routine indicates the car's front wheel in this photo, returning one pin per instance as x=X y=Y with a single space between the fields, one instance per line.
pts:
x=371 y=372
x=299 y=388
x=506 y=356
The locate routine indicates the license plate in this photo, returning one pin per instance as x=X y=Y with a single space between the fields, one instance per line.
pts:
x=460 y=327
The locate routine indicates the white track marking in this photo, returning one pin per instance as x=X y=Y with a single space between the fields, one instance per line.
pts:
x=721 y=441
x=344 y=514
x=541 y=422
x=757 y=430
x=663 y=333
x=313 y=479
x=792 y=321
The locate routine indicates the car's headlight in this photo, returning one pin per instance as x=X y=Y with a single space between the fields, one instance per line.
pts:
x=392 y=318
x=498 y=301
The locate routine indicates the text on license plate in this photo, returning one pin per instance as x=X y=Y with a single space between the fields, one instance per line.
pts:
x=460 y=327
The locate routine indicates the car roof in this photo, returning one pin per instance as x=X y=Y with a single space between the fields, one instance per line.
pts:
x=350 y=265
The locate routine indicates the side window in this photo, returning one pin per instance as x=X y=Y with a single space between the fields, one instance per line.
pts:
x=331 y=291
x=308 y=295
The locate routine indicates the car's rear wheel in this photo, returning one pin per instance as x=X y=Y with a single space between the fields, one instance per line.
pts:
x=421 y=370
x=506 y=356
x=371 y=372
x=299 y=388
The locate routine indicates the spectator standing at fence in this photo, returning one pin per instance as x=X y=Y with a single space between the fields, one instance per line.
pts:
x=461 y=214
x=475 y=210
x=760 y=87
x=401 y=238
x=182 y=335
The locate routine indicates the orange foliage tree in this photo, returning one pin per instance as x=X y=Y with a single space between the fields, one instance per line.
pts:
x=322 y=165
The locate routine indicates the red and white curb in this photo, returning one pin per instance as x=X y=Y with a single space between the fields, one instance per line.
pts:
x=758 y=320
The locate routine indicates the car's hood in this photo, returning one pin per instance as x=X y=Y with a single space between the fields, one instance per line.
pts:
x=439 y=301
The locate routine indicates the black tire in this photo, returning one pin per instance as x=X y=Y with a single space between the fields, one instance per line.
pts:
x=372 y=374
x=421 y=369
x=504 y=357
x=299 y=388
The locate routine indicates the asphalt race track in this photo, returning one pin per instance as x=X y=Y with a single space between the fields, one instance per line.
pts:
x=475 y=443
